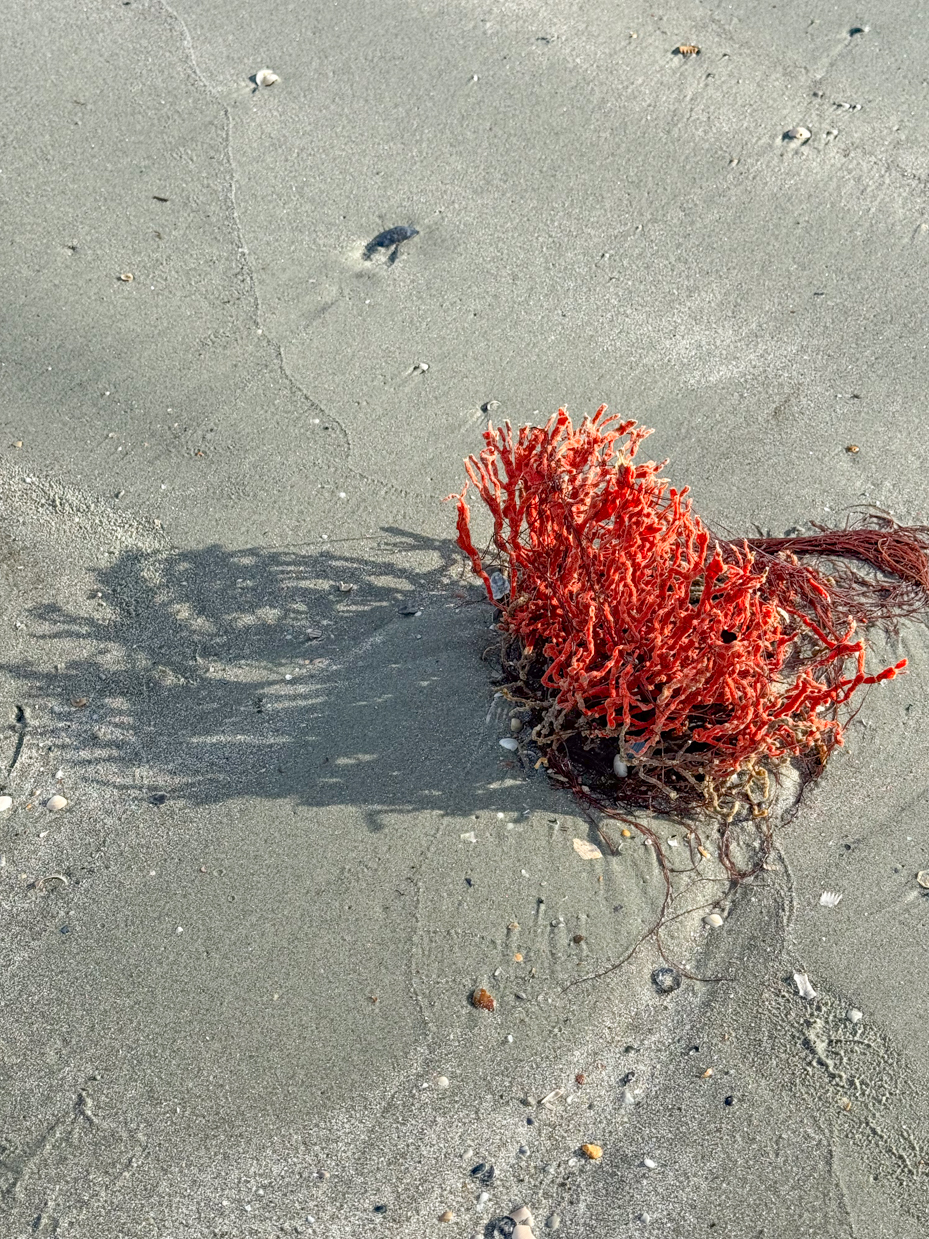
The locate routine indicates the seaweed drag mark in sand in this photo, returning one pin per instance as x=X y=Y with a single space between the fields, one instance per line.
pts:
x=664 y=667
x=391 y=239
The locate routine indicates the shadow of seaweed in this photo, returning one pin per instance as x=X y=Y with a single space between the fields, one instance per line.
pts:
x=208 y=674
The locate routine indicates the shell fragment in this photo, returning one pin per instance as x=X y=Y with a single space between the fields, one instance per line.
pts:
x=804 y=988
x=588 y=850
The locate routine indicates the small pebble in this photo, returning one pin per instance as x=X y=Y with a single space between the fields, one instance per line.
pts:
x=855 y=1016
x=552 y=1222
x=442 y=1082
x=714 y=920
x=923 y=879
x=6 y=802
x=265 y=77
x=55 y=803
x=523 y=1150
x=593 y=1152
x=516 y=726
x=647 y=1161
x=483 y=1198
x=620 y=769
x=666 y=980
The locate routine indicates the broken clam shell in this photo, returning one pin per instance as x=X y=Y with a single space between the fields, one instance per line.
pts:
x=588 y=850
x=804 y=988
x=265 y=77
x=798 y=135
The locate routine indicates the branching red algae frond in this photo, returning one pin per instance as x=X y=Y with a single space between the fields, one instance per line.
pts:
x=638 y=637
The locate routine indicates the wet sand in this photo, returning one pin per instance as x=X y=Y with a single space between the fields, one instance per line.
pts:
x=293 y=845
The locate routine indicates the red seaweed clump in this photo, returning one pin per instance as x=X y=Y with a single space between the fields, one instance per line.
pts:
x=672 y=662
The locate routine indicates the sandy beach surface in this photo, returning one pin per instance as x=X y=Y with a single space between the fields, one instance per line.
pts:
x=237 y=637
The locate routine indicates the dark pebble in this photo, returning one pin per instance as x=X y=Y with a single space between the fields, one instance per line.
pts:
x=390 y=238
x=666 y=980
x=159 y=798
x=730 y=1101
x=499 y=1228
x=380 y=1208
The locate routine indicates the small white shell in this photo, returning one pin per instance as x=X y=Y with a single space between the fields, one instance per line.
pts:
x=797 y=136
x=442 y=1082
x=509 y=743
x=265 y=77
x=55 y=803
x=468 y=837
x=854 y=1015
x=620 y=769
x=6 y=802
x=550 y=1098
x=804 y=988
x=647 y=1162
x=588 y=850
x=522 y=1216
x=714 y=919
x=830 y=899
x=923 y=879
